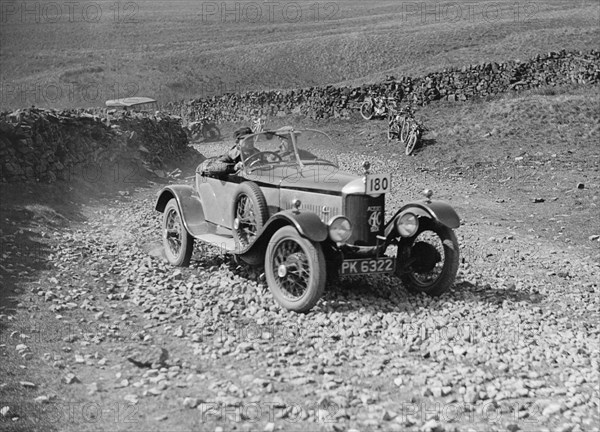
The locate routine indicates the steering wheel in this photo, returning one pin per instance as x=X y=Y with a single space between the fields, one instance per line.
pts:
x=260 y=157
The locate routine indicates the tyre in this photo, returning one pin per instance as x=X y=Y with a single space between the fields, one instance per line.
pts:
x=366 y=110
x=404 y=130
x=211 y=133
x=393 y=131
x=177 y=242
x=428 y=261
x=250 y=212
x=410 y=143
x=295 y=270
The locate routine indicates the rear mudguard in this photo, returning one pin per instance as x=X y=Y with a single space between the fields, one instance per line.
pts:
x=436 y=210
x=189 y=205
x=307 y=224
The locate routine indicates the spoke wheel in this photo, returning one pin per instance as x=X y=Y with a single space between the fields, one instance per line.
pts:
x=211 y=133
x=295 y=270
x=428 y=261
x=250 y=213
x=177 y=242
x=410 y=143
x=366 y=110
x=404 y=130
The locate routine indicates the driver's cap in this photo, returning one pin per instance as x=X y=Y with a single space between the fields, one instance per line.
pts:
x=241 y=132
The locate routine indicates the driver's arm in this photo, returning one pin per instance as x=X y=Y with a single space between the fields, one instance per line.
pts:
x=230 y=156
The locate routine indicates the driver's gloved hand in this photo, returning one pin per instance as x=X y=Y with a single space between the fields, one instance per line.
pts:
x=238 y=166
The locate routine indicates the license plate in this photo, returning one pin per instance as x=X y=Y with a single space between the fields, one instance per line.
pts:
x=368 y=266
x=378 y=183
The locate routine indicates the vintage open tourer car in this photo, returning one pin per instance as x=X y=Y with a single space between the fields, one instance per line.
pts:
x=292 y=210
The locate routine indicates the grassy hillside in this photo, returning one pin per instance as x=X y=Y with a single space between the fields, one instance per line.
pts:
x=184 y=49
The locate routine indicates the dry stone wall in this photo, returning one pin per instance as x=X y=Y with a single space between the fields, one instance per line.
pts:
x=554 y=68
x=43 y=145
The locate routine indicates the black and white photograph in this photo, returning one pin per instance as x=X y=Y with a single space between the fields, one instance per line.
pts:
x=299 y=215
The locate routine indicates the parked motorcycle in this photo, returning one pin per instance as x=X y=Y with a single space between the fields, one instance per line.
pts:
x=376 y=107
x=403 y=126
x=406 y=117
x=414 y=136
x=204 y=128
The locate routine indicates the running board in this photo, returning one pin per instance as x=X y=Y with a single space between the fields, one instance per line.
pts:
x=224 y=242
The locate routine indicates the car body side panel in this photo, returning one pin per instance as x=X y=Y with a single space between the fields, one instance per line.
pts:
x=324 y=206
x=272 y=197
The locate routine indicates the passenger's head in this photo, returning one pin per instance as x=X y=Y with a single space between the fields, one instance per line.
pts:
x=247 y=145
x=285 y=145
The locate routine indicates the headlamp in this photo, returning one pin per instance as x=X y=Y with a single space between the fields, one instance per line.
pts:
x=340 y=229
x=407 y=225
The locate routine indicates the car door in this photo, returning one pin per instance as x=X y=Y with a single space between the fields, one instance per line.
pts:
x=217 y=197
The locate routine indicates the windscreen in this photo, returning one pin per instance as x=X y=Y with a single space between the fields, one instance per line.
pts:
x=287 y=146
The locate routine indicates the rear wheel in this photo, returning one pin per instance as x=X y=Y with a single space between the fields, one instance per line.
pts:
x=177 y=242
x=428 y=261
x=295 y=270
x=250 y=212
x=366 y=110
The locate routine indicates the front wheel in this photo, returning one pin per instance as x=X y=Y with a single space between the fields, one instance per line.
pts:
x=410 y=143
x=177 y=242
x=295 y=270
x=404 y=130
x=428 y=262
x=366 y=110
x=211 y=133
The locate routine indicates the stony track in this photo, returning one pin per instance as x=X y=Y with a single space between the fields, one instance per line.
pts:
x=513 y=346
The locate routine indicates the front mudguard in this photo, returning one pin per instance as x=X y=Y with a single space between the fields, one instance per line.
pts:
x=307 y=224
x=437 y=210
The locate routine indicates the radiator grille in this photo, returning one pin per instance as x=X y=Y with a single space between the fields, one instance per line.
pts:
x=367 y=215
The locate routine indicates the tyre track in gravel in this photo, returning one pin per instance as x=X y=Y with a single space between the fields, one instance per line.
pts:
x=512 y=345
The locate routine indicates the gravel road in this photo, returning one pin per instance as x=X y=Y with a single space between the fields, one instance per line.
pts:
x=513 y=346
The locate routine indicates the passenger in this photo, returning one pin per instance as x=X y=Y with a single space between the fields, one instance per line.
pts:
x=286 y=149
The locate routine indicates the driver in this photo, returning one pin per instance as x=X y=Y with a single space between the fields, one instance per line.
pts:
x=231 y=161
x=246 y=148
x=234 y=155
